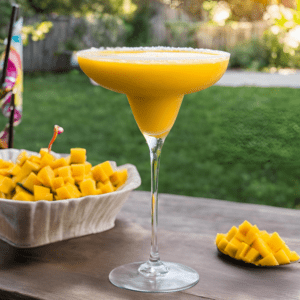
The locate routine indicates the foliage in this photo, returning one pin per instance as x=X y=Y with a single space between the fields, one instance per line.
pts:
x=282 y=39
x=247 y=10
x=251 y=55
x=279 y=47
x=181 y=34
x=82 y=7
x=138 y=28
x=239 y=144
x=218 y=12
x=37 y=31
x=108 y=31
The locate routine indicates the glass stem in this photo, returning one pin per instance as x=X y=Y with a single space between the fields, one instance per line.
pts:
x=155 y=151
x=154 y=267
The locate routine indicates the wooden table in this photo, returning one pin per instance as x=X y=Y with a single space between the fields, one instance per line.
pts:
x=79 y=268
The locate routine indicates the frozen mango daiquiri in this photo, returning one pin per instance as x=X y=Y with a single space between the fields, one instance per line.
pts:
x=251 y=245
x=44 y=177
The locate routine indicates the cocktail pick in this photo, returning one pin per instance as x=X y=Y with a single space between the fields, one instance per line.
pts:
x=11 y=122
x=15 y=9
x=57 y=130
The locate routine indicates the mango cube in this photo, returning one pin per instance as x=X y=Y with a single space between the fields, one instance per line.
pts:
x=231 y=249
x=41 y=193
x=46 y=160
x=63 y=193
x=262 y=247
x=118 y=178
x=269 y=260
x=106 y=166
x=64 y=171
x=275 y=242
x=219 y=237
x=88 y=167
x=6 y=185
x=99 y=173
x=22 y=157
x=222 y=245
x=251 y=256
x=78 y=155
x=107 y=188
x=58 y=163
x=30 y=181
x=23 y=196
x=45 y=175
x=242 y=250
x=73 y=190
x=281 y=257
x=88 y=187
x=245 y=227
x=294 y=256
x=78 y=171
x=233 y=230
x=57 y=182
x=251 y=234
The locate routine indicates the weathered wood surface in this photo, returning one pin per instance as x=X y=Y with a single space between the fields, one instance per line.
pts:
x=79 y=268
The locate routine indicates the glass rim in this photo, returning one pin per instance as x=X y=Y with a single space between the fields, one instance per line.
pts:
x=114 y=53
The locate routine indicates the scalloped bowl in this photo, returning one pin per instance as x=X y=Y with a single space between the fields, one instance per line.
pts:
x=26 y=224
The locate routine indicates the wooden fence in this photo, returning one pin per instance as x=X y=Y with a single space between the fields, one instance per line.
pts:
x=226 y=37
x=43 y=55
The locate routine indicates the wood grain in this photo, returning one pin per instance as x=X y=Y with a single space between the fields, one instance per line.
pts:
x=79 y=268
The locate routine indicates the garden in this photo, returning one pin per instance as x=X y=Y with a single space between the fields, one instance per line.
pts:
x=237 y=144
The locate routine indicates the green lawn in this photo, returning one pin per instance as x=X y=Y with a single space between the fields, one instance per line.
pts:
x=239 y=144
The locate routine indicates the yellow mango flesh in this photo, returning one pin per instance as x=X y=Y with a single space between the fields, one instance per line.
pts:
x=254 y=246
x=44 y=177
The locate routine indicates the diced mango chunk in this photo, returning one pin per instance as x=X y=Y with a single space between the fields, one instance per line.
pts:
x=231 y=249
x=31 y=181
x=233 y=230
x=78 y=155
x=6 y=185
x=45 y=175
x=57 y=182
x=99 y=173
x=269 y=260
x=107 y=187
x=42 y=193
x=88 y=187
x=219 y=237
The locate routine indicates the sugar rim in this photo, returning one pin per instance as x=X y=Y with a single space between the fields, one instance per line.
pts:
x=87 y=53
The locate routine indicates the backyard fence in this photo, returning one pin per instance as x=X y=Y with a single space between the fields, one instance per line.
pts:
x=43 y=55
x=50 y=53
x=226 y=37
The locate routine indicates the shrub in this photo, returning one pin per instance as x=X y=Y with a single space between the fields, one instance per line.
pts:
x=181 y=34
x=279 y=47
x=249 y=55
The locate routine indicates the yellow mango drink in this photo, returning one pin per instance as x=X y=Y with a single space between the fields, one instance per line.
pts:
x=154 y=79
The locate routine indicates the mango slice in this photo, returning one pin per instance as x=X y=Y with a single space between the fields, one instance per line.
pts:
x=258 y=247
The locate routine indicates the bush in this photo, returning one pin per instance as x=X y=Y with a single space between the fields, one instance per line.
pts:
x=279 y=47
x=138 y=28
x=250 y=55
x=181 y=34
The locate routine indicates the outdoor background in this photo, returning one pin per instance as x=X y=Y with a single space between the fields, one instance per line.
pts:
x=238 y=144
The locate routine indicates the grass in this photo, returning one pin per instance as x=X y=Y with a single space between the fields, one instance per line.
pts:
x=239 y=144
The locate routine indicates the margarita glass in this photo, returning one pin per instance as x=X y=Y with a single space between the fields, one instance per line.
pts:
x=155 y=79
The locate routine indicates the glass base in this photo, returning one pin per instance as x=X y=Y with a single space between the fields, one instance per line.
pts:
x=178 y=278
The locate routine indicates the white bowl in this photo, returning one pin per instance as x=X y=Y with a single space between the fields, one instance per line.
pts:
x=26 y=224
